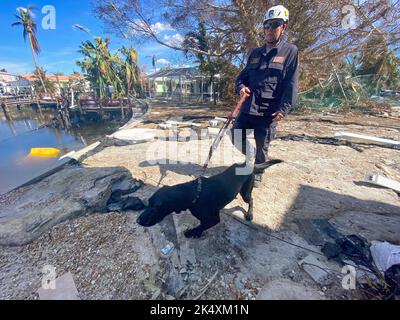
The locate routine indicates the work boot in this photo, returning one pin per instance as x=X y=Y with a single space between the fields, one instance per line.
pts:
x=257 y=180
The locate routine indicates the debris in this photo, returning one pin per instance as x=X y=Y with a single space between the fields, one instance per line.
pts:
x=360 y=138
x=123 y=187
x=321 y=140
x=135 y=135
x=388 y=172
x=316 y=269
x=392 y=278
x=156 y=294
x=352 y=247
x=65 y=289
x=166 y=126
x=180 y=123
x=186 y=250
x=44 y=152
x=205 y=288
x=213 y=123
x=77 y=155
x=220 y=119
x=168 y=248
x=383 y=182
x=385 y=255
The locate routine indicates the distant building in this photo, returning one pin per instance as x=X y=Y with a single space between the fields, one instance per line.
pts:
x=11 y=84
x=64 y=81
x=180 y=84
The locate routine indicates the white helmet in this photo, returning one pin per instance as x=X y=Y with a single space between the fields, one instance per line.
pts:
x=277 y=12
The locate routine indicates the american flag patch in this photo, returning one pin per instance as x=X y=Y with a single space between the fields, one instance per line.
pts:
x=278 y=59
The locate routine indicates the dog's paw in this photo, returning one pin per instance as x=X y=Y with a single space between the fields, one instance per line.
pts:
x=193 y=233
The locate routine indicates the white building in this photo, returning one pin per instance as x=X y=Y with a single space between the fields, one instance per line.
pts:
x=11 y=84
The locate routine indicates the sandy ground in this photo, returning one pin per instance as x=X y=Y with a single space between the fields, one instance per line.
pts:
x=111 y=257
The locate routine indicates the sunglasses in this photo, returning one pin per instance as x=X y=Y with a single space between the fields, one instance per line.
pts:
x=273 y=24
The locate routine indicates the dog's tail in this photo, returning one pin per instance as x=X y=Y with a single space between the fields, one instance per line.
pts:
x=259 y=168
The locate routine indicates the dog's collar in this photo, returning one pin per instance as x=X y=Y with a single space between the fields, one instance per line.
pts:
x=198 y=190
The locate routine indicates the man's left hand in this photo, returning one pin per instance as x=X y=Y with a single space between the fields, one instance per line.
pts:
x=277 y=116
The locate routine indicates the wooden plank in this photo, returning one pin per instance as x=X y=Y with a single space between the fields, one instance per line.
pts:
x=361 y=138
x=383 y=182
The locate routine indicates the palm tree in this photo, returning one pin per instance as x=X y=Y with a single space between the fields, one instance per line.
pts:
x=131 y=68
x=25 y=18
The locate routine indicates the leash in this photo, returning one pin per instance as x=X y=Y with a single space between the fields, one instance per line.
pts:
x=216 y=142
x=222 y=131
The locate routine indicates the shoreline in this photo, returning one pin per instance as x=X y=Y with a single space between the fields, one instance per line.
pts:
x=62 y=160
x=111 y=257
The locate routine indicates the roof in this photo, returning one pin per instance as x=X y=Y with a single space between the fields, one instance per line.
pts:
x=187 y=73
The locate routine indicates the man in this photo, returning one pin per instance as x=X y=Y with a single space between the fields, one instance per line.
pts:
x=269 y=82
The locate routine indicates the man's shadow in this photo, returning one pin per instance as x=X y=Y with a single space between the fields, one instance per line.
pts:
x=182 y=168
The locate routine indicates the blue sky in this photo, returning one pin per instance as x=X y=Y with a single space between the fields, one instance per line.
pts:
x=59 y=46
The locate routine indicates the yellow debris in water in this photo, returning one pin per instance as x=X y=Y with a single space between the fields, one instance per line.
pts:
x=44 y=152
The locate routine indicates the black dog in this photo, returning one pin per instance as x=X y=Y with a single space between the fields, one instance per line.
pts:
x=204 y=197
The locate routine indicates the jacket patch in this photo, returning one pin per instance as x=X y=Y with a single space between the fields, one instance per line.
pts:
x=254 y=60
x=279 y=59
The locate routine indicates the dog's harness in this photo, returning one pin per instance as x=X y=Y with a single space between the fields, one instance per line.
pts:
x=198 y=190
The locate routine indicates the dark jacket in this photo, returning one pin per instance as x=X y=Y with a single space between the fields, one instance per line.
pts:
x=272 y=79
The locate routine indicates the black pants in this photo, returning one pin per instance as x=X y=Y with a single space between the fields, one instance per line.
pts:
x=264 y=133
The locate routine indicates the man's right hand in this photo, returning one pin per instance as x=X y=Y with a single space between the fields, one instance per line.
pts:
x=245 y=91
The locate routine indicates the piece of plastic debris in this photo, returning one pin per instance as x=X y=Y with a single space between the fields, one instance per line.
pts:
x=385 y=255
x=167 y=248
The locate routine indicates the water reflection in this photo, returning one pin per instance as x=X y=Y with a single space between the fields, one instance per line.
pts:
x=25 y=129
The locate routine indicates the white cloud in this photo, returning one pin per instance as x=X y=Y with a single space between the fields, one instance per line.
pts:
x=157 y=27
x=163 y=61
x=175 y=39
x=160 y=27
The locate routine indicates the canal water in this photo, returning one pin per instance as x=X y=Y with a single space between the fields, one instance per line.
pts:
x=25 y=129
